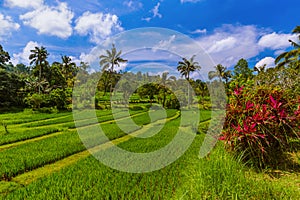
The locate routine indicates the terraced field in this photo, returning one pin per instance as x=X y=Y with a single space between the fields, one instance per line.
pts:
x=43 y=157
x=40 y=147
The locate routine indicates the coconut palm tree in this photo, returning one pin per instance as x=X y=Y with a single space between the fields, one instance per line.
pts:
x=221 y=72
x=291 y=57
x=185 y=67
x=165 y=80
x=68 y=70
x=68 y=67
x=38 y=57
x=109 y=61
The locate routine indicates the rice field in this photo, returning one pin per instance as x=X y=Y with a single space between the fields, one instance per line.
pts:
x=43 y=157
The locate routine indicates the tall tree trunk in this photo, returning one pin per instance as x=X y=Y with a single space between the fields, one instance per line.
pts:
x=164 y=97
x=188 y=79
x=40 y=76
x=111 y=82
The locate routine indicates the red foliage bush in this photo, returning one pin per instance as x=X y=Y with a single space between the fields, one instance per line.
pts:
x=260 y=123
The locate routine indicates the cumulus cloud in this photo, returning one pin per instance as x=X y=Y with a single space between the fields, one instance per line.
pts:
x=23 y=57
x=7 y=26
x=55 y=21
x=223 y=44
x=24 y=3
x=276 y=41
x=268 y=62
x=97 y=25
x=229 y=43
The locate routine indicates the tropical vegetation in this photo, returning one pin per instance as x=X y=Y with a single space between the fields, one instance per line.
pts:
x=257 y=155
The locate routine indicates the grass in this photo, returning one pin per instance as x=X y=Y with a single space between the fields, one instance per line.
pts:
x=81 y=180
x=52 y=125
x=62 y=169
x=19 y=118
x=221 y=176
x=29 y=156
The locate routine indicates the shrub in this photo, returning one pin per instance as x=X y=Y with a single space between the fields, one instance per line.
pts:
x=260 y=123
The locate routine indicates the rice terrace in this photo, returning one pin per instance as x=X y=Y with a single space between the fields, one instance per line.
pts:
x=149 y=113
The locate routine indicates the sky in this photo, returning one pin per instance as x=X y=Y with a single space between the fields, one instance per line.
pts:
x=150 y=31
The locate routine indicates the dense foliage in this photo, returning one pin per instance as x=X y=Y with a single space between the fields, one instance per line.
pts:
x=263 y=120
x=260 y=123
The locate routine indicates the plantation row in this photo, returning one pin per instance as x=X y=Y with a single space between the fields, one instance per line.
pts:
x=34 y=129
x=29 y=155
x=52 y=149
x=218 y=176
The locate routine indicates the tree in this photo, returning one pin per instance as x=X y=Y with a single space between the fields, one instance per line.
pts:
x=10 y=85
x=291 y=57
x=21 y=69
x=185 y=67
x=69 y=68
x=109 y=61
x=164 y=81
x=242 y=70
x=221 y=72
x=38 y=57
x=58 y=80
x=148 y=90
x=4 y=57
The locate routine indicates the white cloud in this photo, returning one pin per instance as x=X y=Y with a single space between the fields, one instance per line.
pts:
x=278 y=52
x=229 y=43
x=147 y=19
x=155 y=11
x=190 y=1
x=23 y=57
x=268 y=62
x=276 y=41
x=223 y=44
x=133 y=5
x=7 y=26
x=165 y=44
x=122 y=67
x=24 y=3
x=97 y=25
x=55 y=21
x=199 y=31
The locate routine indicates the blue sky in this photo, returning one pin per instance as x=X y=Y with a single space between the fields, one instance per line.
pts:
x=257 y=30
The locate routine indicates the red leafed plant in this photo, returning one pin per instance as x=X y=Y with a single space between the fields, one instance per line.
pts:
x=260 y=123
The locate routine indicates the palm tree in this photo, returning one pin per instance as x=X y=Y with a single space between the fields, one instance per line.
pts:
x=38 y=57
x=290 y=57
x=68 y=70
x=221 y=72
x=109 y=61
x=68 y=67
x=185 y=67
x=165 y=80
